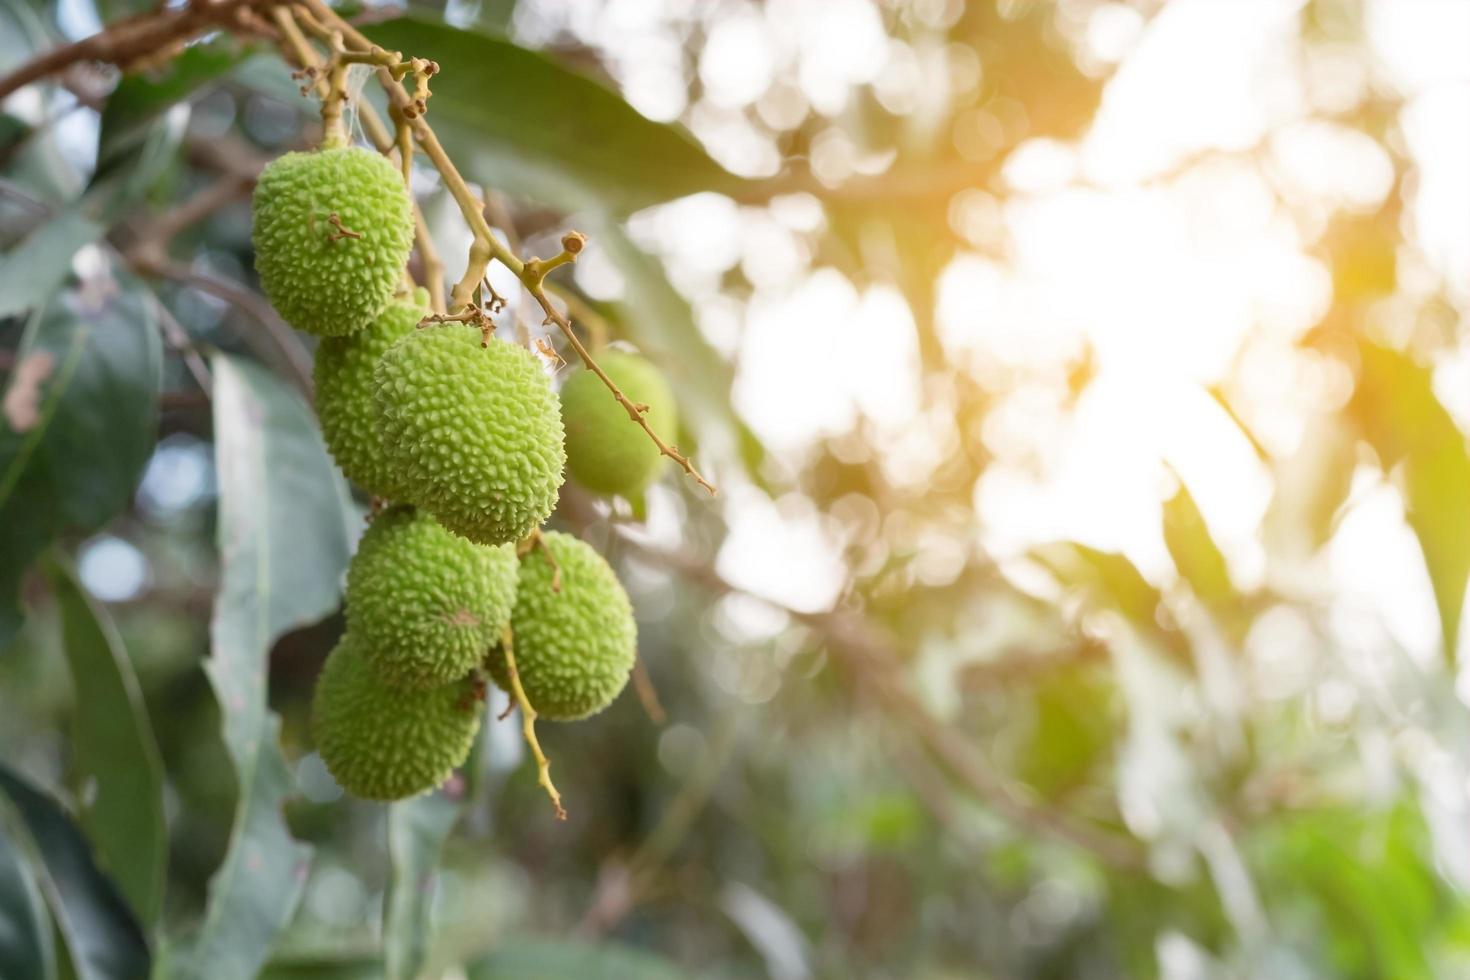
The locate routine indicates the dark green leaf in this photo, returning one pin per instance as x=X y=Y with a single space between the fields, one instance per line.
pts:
x=284 y=540
x=1396 y=408
x=323 y=968
x=103 y=939
x=416 y=832
x=553 y=960
x=114 y=750
x=73 y=445
x=26 y=951
x=520 y=122
x=140 y=99
x=36 y=268
x=1195 y=554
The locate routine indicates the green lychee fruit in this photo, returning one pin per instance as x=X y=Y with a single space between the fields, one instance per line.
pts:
x=385 y=743
x=606 y=450
x=423 y=604
x=332 y=233
x=473 y=434
x=344 y=393
x=574 y=648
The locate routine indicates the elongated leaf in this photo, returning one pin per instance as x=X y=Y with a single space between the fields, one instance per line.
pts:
x=37 y=267
x=102 y=938
x=26 y=950
x=1399 y=415
x=553 y=960
x=284 y=542
x=1195 y=554
x=416 y=832
x=521 y=123
x=141 y=99
x=79 y=422
x=115 y=750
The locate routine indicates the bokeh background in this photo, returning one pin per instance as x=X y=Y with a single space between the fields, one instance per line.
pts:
x=1087 y=385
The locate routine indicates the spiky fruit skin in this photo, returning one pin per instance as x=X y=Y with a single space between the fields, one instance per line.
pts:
x=423 y=604
x=606 y=451
x=318 y=280
x=384 y=743
x=575 y=648
x=473 y=434
x=343 y=372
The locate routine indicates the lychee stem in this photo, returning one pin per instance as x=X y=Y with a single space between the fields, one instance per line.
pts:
x=528 y=721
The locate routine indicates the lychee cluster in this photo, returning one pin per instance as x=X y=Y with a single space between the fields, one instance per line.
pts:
x=459 y=439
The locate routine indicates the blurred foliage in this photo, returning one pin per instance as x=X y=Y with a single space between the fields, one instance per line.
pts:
x=1067 y=765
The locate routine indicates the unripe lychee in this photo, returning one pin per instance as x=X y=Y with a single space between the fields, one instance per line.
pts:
x=575 y=647
x=424 y=605
x=332 y=233
x=383 y=743
x=606 y=450
x=344 y=393
x=472 y=434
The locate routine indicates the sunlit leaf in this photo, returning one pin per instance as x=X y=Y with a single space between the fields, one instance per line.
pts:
x=26 y=949
x=1401 y=418
x=416 y=832
x=103 y=940
x=553 y=135
x=1196 y=556
x=284 y=540
x=79 y=424
x=114 y=750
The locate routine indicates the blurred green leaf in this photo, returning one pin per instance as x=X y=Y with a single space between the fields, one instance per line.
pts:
x=1072 y=730
x=36 y=268
x=1196 y=556
x=114 y=750
x=416 y=832
x=26 y=950
x=284 y=539
x=557 y=136
x=345 y=967
x=1311 y=486
x=1396 y=408
x=142 y=98
x=88 y=423
x=102 y=938
x=531 y=959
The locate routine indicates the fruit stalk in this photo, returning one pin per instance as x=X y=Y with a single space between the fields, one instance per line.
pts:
x=528 y=722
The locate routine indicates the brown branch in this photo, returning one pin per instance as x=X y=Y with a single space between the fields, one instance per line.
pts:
x=135 y=39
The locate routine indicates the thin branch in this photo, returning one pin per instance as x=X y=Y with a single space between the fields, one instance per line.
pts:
x=139 y=38
x=282 y=345
x=528 y=721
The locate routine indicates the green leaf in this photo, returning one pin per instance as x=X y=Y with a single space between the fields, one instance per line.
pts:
x=140 y=99
x=26 y=950
x=345 y=967
x=73 y=445
x=416 y=832
x=1395 y=407
x=531 y=959
x=284 y=540
x=114 y=749
x=520 y=122
x=1196 y=556
x=38 y=266
x=102 y=938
